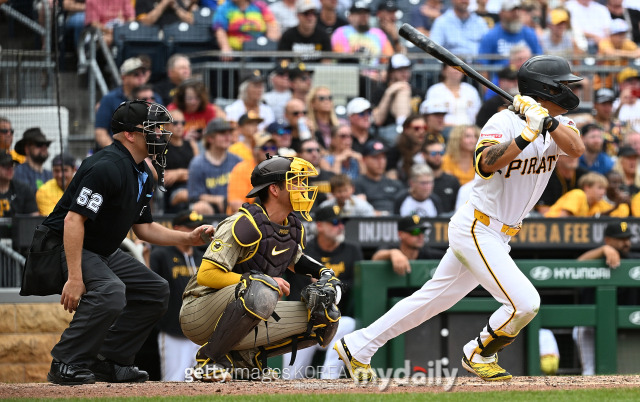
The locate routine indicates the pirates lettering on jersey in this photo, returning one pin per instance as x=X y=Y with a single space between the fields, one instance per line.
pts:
x=531 y=165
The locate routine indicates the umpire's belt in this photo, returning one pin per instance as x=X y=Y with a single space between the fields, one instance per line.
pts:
x=495 y=225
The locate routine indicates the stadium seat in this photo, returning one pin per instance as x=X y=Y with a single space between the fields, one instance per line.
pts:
x=181 y=37
x=261 y=44
x=134 y=39
x=203 y=16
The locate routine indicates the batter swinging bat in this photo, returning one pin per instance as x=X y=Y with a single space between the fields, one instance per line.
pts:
x=423 y=42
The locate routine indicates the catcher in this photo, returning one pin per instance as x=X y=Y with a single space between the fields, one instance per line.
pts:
x=231 y=305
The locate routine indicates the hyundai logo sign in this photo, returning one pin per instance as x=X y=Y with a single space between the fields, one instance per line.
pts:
x=541 y=273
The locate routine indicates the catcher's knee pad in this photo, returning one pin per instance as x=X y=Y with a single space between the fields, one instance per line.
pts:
x=496 y=341
x=256 y=298
x=259 y=294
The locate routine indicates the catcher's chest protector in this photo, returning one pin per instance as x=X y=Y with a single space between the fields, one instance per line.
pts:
x=278 y=246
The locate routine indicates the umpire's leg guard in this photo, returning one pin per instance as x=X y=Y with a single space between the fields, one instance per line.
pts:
x=256 y=298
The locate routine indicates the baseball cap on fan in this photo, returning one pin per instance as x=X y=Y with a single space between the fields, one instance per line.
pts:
x=411 y=223
x=558 y=16
x=130 y=65
x=508 y=5
x=358 y=105
x=605 y=95
x=359 y=6
x=302 y=6
x=627 y=74
x=399 y=61
x=373 y=148
x=433 y=106
x=189 y=219
x=618 y=26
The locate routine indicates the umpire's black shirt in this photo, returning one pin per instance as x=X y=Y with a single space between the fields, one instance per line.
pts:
x=105 y=189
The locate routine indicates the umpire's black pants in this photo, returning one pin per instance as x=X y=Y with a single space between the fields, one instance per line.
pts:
x=123 y=302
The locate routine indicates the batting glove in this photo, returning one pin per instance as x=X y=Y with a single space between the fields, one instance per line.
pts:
x=535 y=116
x=522 y=103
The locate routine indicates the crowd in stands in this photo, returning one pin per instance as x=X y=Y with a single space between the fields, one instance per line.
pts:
x=400 y=151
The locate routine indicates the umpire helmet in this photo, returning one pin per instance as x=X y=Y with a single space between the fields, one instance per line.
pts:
x=546 y=77
x=295 y=172
x=152 y=117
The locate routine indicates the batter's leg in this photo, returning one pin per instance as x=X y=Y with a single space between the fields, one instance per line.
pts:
x=450 y=283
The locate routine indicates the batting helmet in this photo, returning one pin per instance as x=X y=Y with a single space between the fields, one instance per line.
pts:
x=546 y=77
x=295 y=172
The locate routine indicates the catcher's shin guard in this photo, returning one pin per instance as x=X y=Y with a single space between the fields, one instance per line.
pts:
x=257 y=296
x=496 y=341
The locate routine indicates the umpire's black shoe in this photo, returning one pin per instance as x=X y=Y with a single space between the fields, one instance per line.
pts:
x=68 y=374
x=108 y=371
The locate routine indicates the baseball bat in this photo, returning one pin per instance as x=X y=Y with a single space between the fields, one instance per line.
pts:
x=423 y=42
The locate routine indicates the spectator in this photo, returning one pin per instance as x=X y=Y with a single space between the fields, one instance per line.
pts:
x=633 y=140
x=176 y=264
x=321 y=114
x=379 y=190
x=408 y=148
x=586 y=200
x=250 y=98
x=388 y=22
x=627 y=166
x=445 y=186
x=490 y=17
x=74 y=19
x=342 y=159
x=428 y=11
x=462 y=99
x=132 y=72
x=239 y=21
x=179 y=154
x=458 y=160
x=329 y=247
x=15 y=196
x=342 y=190
x=295 y=114
x=359 y=38
x=6 y=140
x=280 y=92
x=617 y=194
x=394 y=100
x=434 y=111
x=247 y=128
x=557 y=39
x=178 y=70
x=627 y=106
x=419 y=198
x=285 y=13
x=613 y=129
x=617 y=246
x=240 y=176
x=165 y=12
x=192 y=99
x=518 y=54
x=281 y=133
x=591 y=20
x=35 y=147
x=411 y=233
x=566 y=175
x=48 y=195
x=459 y=30
x=105 y=15
x=310 y=151
x=209 y=172
x=507 y=80
x=617 y=50
x=143 y=92
x=594 y=158
x=359 y=115
x=306 y=38
x=328 y=18
x=301 y=78
x=507 y=33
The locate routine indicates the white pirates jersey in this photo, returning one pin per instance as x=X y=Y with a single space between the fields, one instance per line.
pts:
x=511 y=192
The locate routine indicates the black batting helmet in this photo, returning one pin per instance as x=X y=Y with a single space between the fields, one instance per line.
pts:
x=545 y=77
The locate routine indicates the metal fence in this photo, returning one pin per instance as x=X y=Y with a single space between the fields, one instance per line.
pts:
x=11 y=264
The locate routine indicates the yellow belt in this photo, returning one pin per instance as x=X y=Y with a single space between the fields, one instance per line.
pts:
x=508 y=230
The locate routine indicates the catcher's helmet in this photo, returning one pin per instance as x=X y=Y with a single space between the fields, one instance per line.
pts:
x=152 y=116
x=545 y=77
x=295 y=172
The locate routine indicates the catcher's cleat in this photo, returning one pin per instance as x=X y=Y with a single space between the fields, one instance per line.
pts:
x=486 y=371
x=360 y=372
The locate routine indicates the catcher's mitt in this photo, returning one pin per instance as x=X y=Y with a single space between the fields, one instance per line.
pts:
x=321 y=298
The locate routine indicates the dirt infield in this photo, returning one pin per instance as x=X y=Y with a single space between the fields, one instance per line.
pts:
x=462 y=384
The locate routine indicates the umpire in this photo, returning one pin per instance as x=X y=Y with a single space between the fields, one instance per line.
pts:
x=117 y=300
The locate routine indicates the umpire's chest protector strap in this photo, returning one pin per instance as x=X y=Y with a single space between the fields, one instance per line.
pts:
x=274 y=247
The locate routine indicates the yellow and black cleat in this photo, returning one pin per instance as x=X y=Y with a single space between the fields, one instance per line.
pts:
x=486 y=371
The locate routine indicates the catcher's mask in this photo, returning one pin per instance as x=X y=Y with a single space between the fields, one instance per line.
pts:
x=295 y=172
x=545 y=77
x=152 y=117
